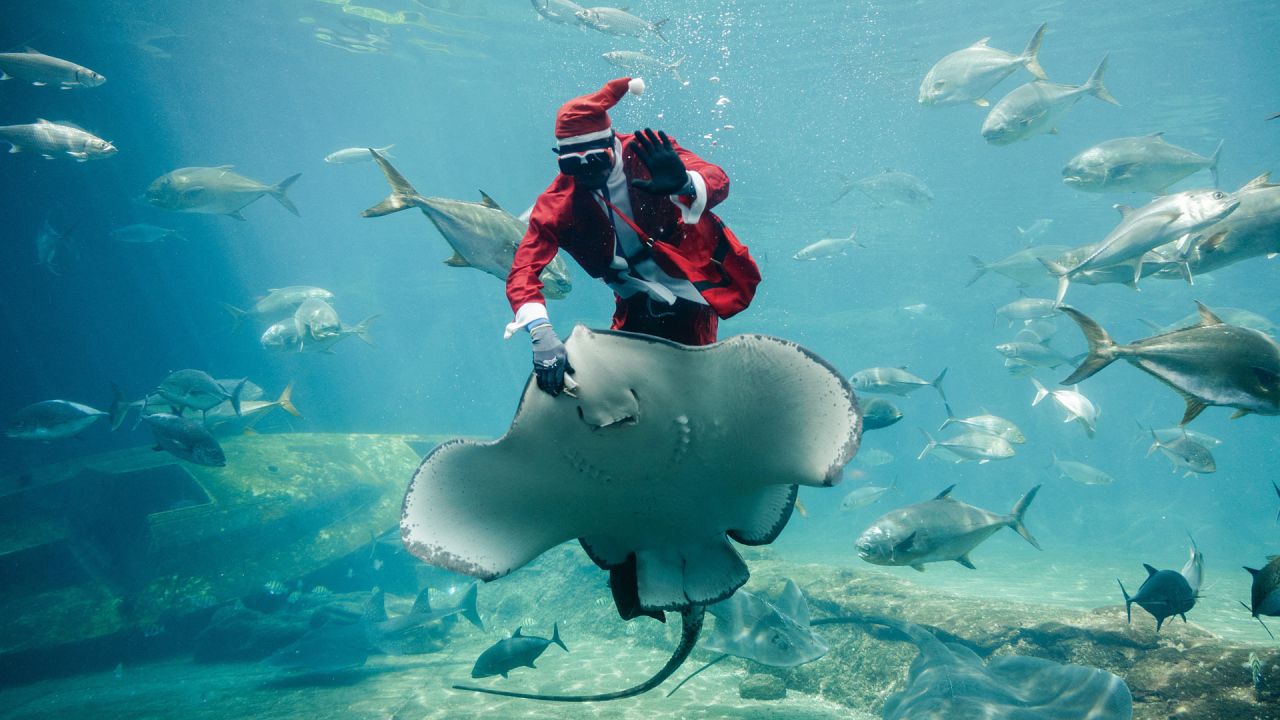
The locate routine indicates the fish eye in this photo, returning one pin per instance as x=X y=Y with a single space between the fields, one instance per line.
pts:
x=1219 y=195
x=938 y=85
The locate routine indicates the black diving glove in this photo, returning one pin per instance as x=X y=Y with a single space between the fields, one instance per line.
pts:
x=666 y=170
x=550 y=361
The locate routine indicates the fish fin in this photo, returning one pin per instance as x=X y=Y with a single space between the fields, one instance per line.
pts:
x=1207 y=317
x=249 y=432
x=945 y=493
x=361 y=330
x=965 y=561
x=467 y=607
x=1053 y=131
x=1031 y=55
x=1262 y=181
x=657 y=30
x=456 y=260
x=1239 y=414
x=1102 y=349
x=403 y=195
x=14 y=148
x=1128 y=601
x=905 y=544
x=918 y=568
x=982 y=102
x=1041 y=392
x=927 y=449
x=1120 y=172
x=488 y=202
x=236 y=214
x=285 y=401
x=1213 y=243
x=1213 y=162
x=555 y=637
x=386 y=151
x=982 y=43
x=1020 y=510
x=279 y=192
x=39 y=84
x=119 y=408
x=1253 y=572
x=517 y=634
x=5 y=76
x=1159 y=622
x=980 y=269
x=1195 y=406
x=237 y=315
x=1150 y=570
x=235 y=395
x=1095 y=87
x=422 y=603
x=937 y=385
x=1124 y=210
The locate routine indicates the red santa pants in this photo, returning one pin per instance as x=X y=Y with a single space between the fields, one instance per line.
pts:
x=685 y=322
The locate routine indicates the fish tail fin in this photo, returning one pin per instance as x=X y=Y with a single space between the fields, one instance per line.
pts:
x=1031 y=56
x=119 y=408
x=386 y=151
x=235 y=395
x=467 y=606
x=937 y=385
x=1102 y=349
x=675 y=69
x=1041 y=392
x=929 y=447
x=657 y=30
x=1060 y=271
x=555 y=637
x=237 y=315
x=422 y=603
x=280 y=192
x=361 y=330
x=1020 y=510
x=1095 y=87
x=1213 y=162
x=979 y=269
x=1128 y=601
x=402 y=192
x=285 y=401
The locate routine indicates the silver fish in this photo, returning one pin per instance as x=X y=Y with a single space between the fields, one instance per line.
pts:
x=1252 y=230
x=613 y=21
x=279 y=300
x=861 y=497
x=1211 y=364
x=214 y=191
x=1037 y=354
x=51 y=419
x=482 y=235
x=563 y=12
x=891 y=188
x=40 y=69
x=197 y=390
x=316 y=319
x=1185 y=454
x=1081 y=473
x=1035 y=229
x=52 y=140
x=144 y=233
x=828 y=247
x=1027 y=308
x=1076 y=406
x=1035 y=108
x=990 y=424
x=356 y=154
x=638 y=63
x=878 y=413
x=967 y=75
x=1024 y=267
x=1166 y=219
x=51 y=244
x=283 y=336
x=1136 y=164
x=1232 y=316
x=894 y=381
x=185 y=438
x=1193 y=571
x=938 y=530
x=979 y=447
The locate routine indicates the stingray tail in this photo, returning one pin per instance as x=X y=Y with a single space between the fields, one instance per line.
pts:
x=1102 y=349
x=280 y=190
x=1246 y=607
x=402 y=192
x=691 y=620
x=1020 y=510
x=1128 y=601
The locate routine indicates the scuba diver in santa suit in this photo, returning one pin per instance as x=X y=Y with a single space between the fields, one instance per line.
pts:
x=634 y=211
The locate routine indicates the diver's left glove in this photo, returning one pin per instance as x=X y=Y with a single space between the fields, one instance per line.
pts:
x=666 y=170
x=550 y=361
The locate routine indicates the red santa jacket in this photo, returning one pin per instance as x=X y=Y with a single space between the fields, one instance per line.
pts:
x=692 y=244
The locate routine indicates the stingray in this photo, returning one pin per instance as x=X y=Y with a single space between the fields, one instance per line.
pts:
x=773 y=635
x=661 y=455
x=948 y=681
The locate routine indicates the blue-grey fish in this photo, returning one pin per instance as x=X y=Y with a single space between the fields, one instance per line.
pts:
x=638 y=63
x=563 y=12
x=349 y=155
x=1233 y=316
x=878 y=413
x=214 y=191
x=979 y=447
x=938 y=530
x=52 y=244
x=1164 y=593
x=1185 y=453
x=284 y=336
x=1024 y=266
x=1080 y=472
x=185 y=438
x=1038 y=354
x=1264 y=594
x=52 y=419
x=890 y=188
x=966 y=76
x=40 y=69
x=53 y=140
x=1027 y=309
x=1035 y=108
x=516 y=651
x=278 y=300
x=828 y=247
x=197 y=390
x=988 y=423
x=894 y=381
x=1073 y=402
x=1136 y=164
x=144 y=233
x=1211 y=364
x=613 y=21
x=1166 y=219
x=865 y=495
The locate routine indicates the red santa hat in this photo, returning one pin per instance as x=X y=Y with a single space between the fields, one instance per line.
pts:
x=586 y=118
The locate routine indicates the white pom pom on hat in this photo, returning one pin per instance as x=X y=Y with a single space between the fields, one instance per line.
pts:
x=636 y=86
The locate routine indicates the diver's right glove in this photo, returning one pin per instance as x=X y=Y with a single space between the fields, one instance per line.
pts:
x=550 y=361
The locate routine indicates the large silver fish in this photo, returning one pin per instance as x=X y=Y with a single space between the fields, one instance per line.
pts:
x=214 y=191
x=891 y=188
x=1164 y=220
x=638 y=63
x=185 y=438
x=1252 y=230
x=52 y=419
x=54 y=139
x=278 y=300
x=894 y=381
x=1034 y=108
x=1074 y=404
x=613 y=21
x=40 y=69
x=563 y=12
x=828 y=247
x=1024 y=266
x=1211 y=364
x=938 y=530
x=966 y=76
x=1185 y=453
x=350 y=155
x=482 y=235
x=1136 y=164
x=980 y=447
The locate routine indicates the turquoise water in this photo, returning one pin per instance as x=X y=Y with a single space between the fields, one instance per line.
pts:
x=788 y=97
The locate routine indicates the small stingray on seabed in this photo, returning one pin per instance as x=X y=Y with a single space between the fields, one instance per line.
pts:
x=658 y=456
x=947 y=681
